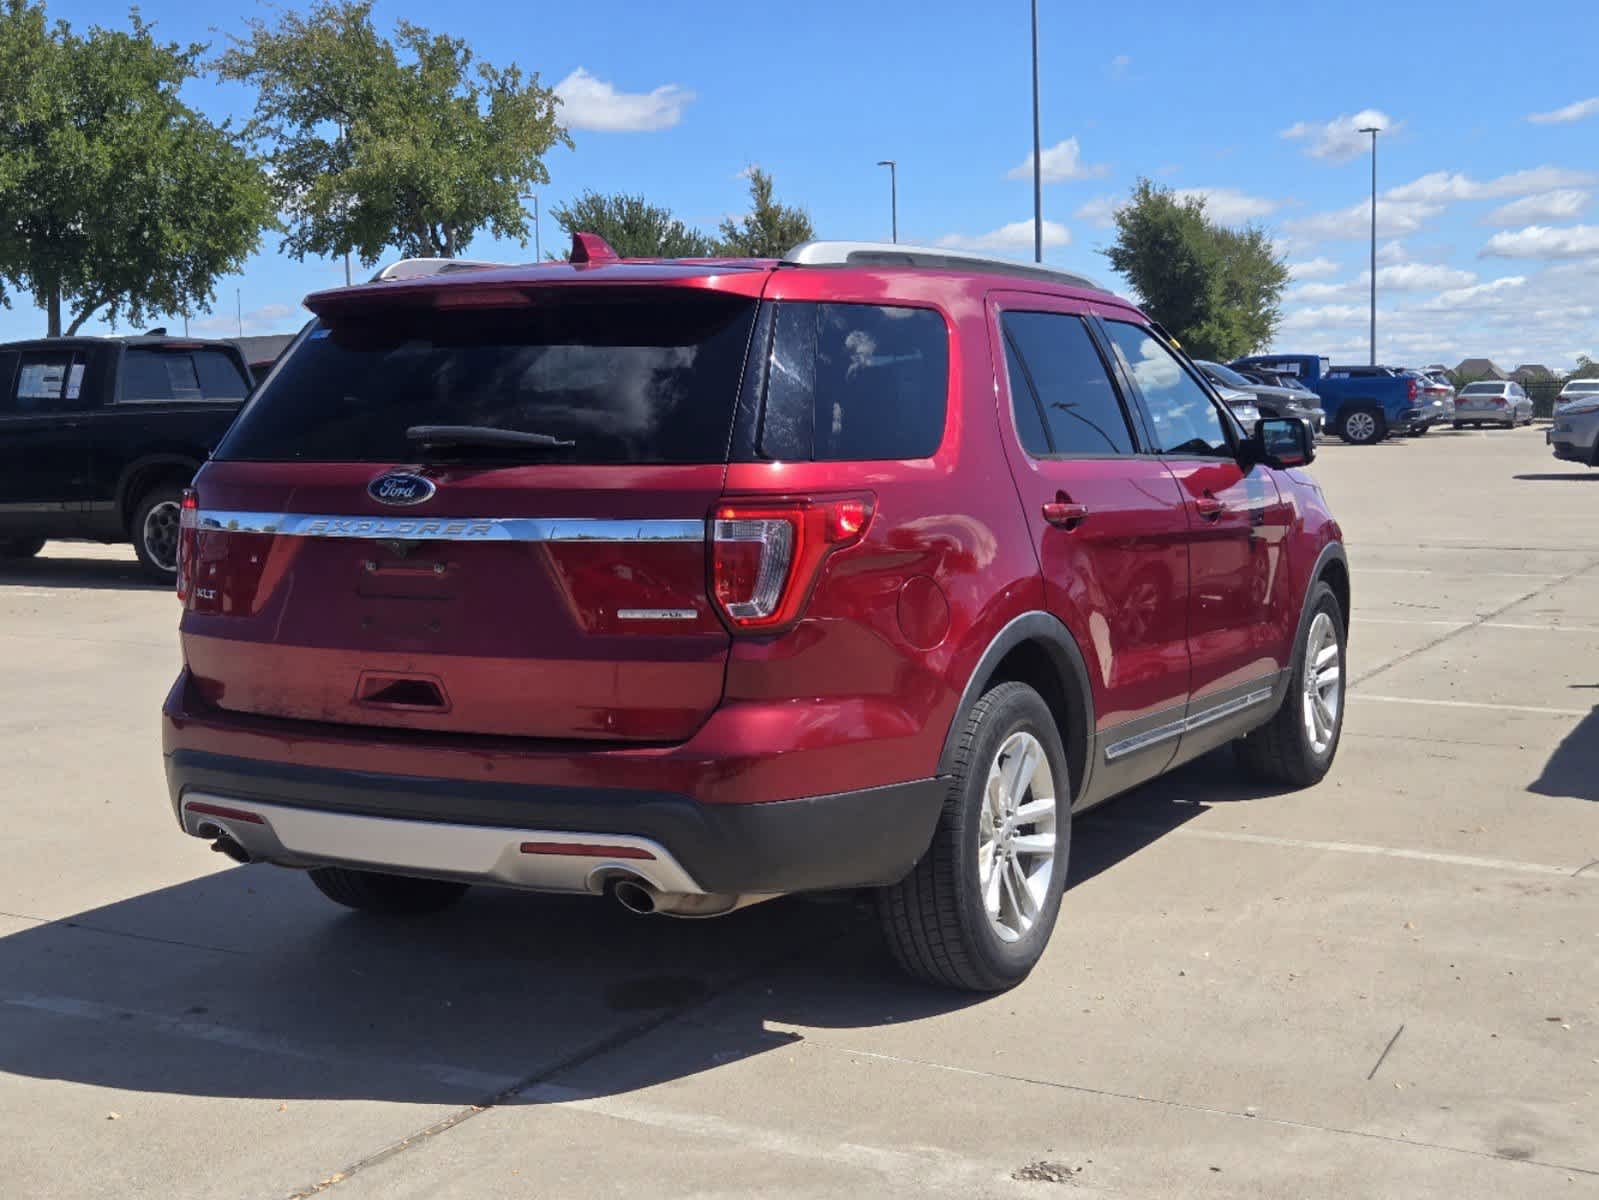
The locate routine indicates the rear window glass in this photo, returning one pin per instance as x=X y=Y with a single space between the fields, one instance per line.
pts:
x=153 y=375
x=1483 y=389
x=646 y=378
x=854 y=382
x=46 y=381
x=1586 y=385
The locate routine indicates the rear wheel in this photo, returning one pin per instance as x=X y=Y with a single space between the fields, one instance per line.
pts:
x=1361 y=427
x=20 y=547
x=976 y=912
x=155 y=531
x=1460 y=424
x=1297 y=746
x=392 y=895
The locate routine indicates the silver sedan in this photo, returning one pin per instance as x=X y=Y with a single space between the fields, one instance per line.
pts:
x=1493 y=402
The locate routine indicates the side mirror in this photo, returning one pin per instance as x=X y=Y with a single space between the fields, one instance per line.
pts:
x=1282 y=442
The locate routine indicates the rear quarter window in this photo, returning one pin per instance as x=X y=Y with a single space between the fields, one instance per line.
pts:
x=854 y=382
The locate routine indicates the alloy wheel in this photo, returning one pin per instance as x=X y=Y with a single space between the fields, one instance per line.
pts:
x=1324 y=683
x=160 y=534
x=1016 y=836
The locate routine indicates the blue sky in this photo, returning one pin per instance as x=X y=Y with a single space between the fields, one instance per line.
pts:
x=1488 y=169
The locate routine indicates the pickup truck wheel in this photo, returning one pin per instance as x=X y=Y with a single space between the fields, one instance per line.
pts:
x=20 y=547
x=1297 y=746
x=391 y=895
x=1361 y=427
x=155 y=531
x=976 y=912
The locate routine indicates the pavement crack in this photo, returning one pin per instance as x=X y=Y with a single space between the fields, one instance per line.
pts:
x=1474 y=623
x=1383 y=1057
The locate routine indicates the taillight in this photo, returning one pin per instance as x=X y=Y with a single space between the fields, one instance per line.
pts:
x=1412 y=394
x=766 y=555
x=188 y=530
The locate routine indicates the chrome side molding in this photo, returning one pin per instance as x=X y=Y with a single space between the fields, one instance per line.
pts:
x=1162 y=733
x=452 y=529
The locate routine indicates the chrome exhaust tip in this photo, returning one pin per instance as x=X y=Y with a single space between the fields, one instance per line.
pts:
x=635 y=896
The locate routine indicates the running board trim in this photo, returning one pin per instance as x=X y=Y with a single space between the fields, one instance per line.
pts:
x=1162 y=733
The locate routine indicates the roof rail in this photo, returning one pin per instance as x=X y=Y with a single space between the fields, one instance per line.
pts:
x=934 y=258
x=421 y=268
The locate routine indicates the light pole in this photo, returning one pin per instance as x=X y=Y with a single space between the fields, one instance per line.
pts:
x=1038 y=166
x=538 y=249
x=1374 y=131
x=893 y=196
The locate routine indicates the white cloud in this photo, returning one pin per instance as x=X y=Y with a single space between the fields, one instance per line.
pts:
x=1299 y=318
x=1119 y=65
x=1544 y=241
x=1440 y=187
x=1392 y=252
x=1320 y=291
x=1018 y=235
x=1419 y=277
x=1063 y=160
x=1395 y=218
x=590 y=103
x=1479 y=295
x=269 y=318
x=1340 y=139
x=1314 y=268
x=1100 y=211
x=1572 y=112
x=1562 y=204
x=1228 y=205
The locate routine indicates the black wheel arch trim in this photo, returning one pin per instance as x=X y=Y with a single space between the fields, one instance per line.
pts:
x=1049 y=631
x=156 y=464
x=1332 y=552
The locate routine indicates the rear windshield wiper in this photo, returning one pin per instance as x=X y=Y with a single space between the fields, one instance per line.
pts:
x=486 y=436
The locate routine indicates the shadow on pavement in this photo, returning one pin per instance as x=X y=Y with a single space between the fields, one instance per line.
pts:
x=1573 y=769
x=247 y=983
x=58 y=570
x=1560 y=476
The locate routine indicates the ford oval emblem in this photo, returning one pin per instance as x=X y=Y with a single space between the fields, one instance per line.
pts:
x=400 y=488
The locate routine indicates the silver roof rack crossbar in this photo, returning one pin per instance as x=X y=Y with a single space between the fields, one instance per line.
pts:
x=895 y=254
x=422 y=268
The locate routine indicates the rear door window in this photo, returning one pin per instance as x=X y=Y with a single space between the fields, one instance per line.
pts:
x=1057 y=372
x=627 y=377
x=854 y=382
x=152 y=376
x=1185 y=419
x=221 y=375
x=46 y=381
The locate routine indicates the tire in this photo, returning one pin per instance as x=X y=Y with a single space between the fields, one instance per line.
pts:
x=391 y=895
x=1460 y=424
x=937 y=920
x=1423 y=429
x=155 y=531
x=20 y=547
x=1285 y=750
x=1362 y=427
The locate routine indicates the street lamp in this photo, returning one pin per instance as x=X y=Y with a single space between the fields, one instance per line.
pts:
x=1038 y=166
x=538 y=249
x=1374 y=131
x=893 y=195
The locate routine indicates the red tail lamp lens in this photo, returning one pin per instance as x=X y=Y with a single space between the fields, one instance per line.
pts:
x=767 y=556
x=188 y=526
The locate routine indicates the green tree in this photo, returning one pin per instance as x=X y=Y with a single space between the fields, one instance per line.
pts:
x=117 y=197
x=1217 y=290
x=632 y=226
x=373 y=143
x=1587 y=368
x=769 y=229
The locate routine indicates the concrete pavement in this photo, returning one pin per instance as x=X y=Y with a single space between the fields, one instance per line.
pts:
x=1383 y=986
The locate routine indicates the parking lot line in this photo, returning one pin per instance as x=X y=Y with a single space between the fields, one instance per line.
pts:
x=1432 y=856
x=1521 y=708
x=1361 y=619
x=1458 y=571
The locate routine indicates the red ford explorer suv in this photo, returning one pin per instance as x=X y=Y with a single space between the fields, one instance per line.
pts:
x=700 y=582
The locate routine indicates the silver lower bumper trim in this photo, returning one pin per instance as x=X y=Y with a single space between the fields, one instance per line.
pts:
x=304 y=837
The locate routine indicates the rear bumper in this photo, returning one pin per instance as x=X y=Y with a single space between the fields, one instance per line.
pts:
x=448 y=828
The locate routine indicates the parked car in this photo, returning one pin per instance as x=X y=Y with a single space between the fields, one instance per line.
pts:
x=1574 y=436
x=1432 y=407
x=690 y=583
x=1271 y=400
x=1441 y=388
x=99 y=436
x=1575 y=390
x=1363 y=404
x=1492 y=402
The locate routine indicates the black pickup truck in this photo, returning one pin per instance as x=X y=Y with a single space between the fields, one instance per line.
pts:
x=99 y=436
